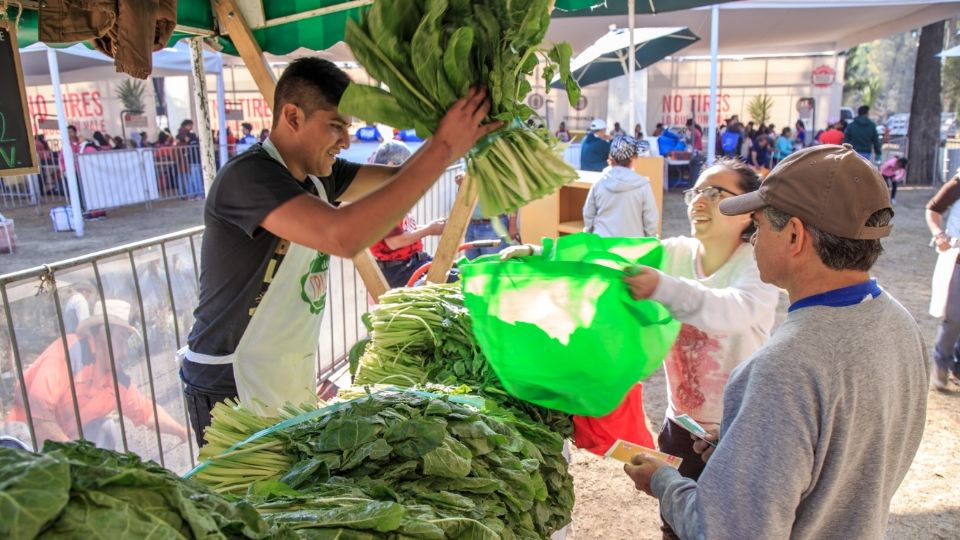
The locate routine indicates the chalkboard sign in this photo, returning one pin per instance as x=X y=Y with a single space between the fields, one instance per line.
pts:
x=18 y=155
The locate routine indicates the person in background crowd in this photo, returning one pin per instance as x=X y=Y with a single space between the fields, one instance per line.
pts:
x=99 y=142
x=406 y=135
x=893 y=171
x=693 y=136
x=272 y=226
x=595 y=147
x=264 y=133
x=231 y=142
x=731 y=139
x=248 y=139
x=943 y=220
x=657 y=131
x=368 y=133
x=638 y=132
x=746 y=146
x=621 y=202
x=801 y=140
x=783 y=146
x=562 y=134
x=617 y=131
x=862 y=135
x=821 y=424
x=711 y=284
x=191 y=177
x=48 y=385
x=400 y=253
x=834 y=135
x=41 y=143
x=118 y=143
x=760 y=155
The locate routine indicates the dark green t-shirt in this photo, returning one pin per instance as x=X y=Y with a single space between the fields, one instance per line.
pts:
x=236 y=251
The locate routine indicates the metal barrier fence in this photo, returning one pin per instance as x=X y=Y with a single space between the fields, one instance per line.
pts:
x=110 y=178
x=119 y=384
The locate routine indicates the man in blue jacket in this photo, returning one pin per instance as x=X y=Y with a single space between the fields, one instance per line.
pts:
x=862 y=134
x=595 y=147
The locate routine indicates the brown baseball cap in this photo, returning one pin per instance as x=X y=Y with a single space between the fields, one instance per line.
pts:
x=829 y=187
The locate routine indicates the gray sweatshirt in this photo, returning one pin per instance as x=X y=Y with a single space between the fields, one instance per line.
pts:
x=819 y=428
x=621 y=203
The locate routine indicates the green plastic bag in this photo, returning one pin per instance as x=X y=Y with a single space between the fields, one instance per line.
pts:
x=561 y=330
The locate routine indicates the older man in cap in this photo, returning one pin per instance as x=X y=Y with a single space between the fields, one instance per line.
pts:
x=821 y=424
x=101 y=369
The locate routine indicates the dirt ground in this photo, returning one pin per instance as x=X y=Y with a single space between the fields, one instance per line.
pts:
x=927 y=506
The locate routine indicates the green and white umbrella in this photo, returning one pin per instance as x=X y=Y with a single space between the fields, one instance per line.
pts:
x=608 y=56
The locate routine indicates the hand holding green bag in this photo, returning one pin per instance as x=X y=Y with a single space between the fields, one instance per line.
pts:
x=560 y=329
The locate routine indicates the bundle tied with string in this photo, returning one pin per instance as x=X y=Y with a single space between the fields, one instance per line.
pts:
x=429 y=53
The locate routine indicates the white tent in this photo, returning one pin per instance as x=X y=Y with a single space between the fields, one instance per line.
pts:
x=43 y=65
x=769 y=27
x=79 y=63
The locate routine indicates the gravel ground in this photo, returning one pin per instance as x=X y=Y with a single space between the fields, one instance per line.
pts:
x=608 y=507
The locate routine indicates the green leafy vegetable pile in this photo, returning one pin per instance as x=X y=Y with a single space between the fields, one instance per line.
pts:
x=430 y=52
x=76 y=490
x=423 y=335
x=401 y=464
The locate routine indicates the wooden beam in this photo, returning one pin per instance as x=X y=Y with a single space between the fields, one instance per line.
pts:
x=371 y=274
x=231 y=20
x=453 y=231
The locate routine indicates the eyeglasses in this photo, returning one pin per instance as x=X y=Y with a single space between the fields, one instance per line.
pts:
x=710 y=193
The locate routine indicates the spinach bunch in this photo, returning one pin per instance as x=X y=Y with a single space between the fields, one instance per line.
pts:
x=407 y=464
x=76 y=490
x=424 y=335
x=430 y=52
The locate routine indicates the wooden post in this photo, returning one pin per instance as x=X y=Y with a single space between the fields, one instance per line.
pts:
x=371 y=274
x=453 y=231
x=201 y=113
x=231 y=20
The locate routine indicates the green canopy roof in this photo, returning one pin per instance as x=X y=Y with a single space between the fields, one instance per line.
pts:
x=289 y=25
x=319 y=24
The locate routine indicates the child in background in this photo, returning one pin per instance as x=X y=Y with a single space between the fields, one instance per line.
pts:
x=893 y=171
x=621 y=203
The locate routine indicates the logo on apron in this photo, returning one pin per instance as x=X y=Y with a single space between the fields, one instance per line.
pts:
x=313 y=284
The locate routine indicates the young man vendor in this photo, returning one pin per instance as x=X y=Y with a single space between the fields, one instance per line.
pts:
x=271 y=228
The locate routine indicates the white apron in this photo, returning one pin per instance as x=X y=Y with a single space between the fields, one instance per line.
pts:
x=275 y=361
x=946 y=263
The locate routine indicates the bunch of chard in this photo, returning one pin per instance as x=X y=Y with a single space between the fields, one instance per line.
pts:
x=429 y=53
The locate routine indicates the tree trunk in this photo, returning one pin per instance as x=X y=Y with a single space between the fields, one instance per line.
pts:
x=924 y=129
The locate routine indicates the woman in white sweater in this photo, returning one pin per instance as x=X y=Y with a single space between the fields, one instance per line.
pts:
x=711 y=284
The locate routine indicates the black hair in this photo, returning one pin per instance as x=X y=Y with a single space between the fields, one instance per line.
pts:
x=747 y=180
x=310 y=83
x=863 y=110
x=902 y=162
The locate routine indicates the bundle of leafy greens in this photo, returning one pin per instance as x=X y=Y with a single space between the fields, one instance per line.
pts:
x=76 y=490
x=429 y=53
x=423 y=335
x=400 y=464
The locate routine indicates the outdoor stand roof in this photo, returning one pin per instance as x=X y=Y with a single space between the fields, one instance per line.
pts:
x=769 y=27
